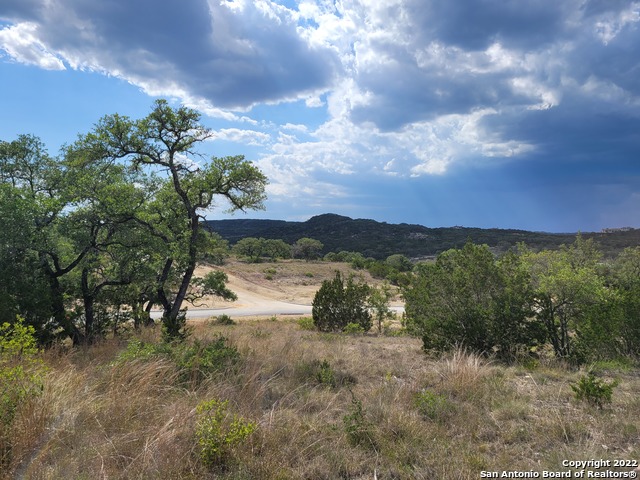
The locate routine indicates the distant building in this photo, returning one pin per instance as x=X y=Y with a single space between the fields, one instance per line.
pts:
x=614 y=230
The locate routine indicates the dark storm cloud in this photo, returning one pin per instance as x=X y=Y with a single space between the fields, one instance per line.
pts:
x=456 y=57
x=233 y=55
x=474 y=25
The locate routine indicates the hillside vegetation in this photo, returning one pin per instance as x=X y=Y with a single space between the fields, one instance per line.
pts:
x=380 y=239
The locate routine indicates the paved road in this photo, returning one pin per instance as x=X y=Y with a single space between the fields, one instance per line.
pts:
x=270 y=308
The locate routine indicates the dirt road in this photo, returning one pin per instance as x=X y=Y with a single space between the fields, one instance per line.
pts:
x=289 y=293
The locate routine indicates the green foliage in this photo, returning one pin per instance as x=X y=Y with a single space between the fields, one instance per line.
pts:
x=337 y=304
x=467 y=298
x=115 y=223
x=203 y=359
x=215 y=249
x=433 y=405
x=394 y=269
x=276 y=248
x=353 y=329
x=626 y=279
x=512 y=305
x=139 y=350
x=21 y=377
x=325 y=375
x=269 y=273
x=322 y=373
x=358 y=429
x=379 y=298
x=593 y=390
x=357 y=261
x=213 y=283
x=218 y=432
x=399 y=262
x=195 y=361
x=257 y=249
x=249 y=247
x=379 y=269
x=174 y=327
x=307 y=248
x=306 y=323
x=570 y=297
x=223 y=319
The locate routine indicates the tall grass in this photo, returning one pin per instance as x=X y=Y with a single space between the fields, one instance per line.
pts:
x=104 y=417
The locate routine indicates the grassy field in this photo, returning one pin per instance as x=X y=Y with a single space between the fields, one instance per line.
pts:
x=321 y=406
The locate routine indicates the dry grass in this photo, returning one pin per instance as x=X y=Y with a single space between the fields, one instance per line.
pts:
x=136 y=419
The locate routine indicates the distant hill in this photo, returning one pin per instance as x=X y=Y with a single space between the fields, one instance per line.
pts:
x=381 y=239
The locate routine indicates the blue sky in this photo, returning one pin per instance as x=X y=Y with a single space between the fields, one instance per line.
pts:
x=484 y=113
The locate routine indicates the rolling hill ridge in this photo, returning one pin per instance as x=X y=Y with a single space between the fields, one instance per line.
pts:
x=380 y=239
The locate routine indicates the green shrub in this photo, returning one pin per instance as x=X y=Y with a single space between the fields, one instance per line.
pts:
x=593 y=390
x=356 y=426
x=202 y=359
x=195 y=361
x=322 y=373
x=433 y=405
x=339 y=303
x=137 y=349
x=21 y=377
x=325 y=375
x=353 y=329
x=218 y=432
x=223 y=319
x=306 y=323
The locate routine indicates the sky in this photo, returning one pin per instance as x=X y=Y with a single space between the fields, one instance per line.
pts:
x=479 y=113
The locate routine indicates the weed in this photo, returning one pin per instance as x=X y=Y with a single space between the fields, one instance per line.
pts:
x=21 y=378
x=195 y=361
x=326 y=375
x=433 y=405
x=259 y=333
x=356 y=426
x=217 y=433
x=137 y=349
x=323 y=373
x=593 y=390
x=223 y=319
x=202 y=359
x=306 y=323
x=353 y=329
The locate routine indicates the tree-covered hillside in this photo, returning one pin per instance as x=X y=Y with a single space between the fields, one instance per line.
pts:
x=380 y=239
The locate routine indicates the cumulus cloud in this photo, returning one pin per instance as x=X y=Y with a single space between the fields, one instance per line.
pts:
x=409 y=87
x=21 y=43
x=248 y=137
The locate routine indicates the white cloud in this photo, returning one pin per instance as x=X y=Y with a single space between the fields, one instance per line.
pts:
x=248 y=137
x=21 y=43
x=297 y=127
x=612 y=23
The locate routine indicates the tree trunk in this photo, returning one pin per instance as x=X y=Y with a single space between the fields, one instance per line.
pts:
x=89 y=301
